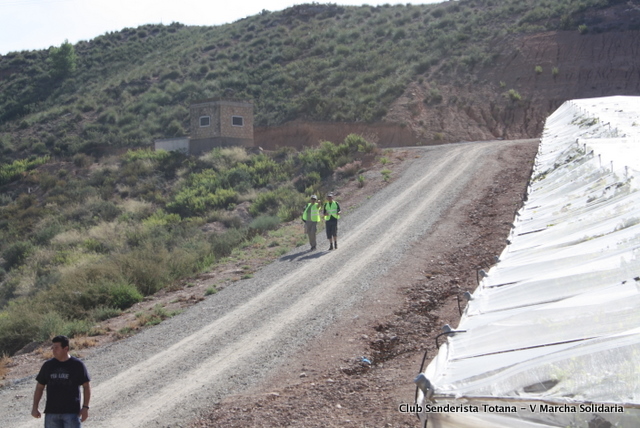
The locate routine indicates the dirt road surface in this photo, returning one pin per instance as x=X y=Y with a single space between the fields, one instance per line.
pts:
x=285 y=348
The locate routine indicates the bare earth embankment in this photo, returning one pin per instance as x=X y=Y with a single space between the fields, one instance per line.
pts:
x=284 y=348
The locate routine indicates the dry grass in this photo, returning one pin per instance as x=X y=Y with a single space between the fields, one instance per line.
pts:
x=136 y=207
x=68 y=238
x=83 y=342
x=44 y=352
x=225 y=158
x=4 y=366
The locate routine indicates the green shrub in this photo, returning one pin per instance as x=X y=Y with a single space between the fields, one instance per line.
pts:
x=513 y=95
x=197 y=201
x=39 y=148
x=291 y=205
x=171 y=75
x=367 y=147
x=265 y=171
x=240 y=178
x=47 y=181
x=266 y=203
x=146 y=267
x=108 y=117
x=434 y=97
x=49 y=325
x=358 y=143
x=190 y=257
x=316 y=161
x=223 y=244
x=285 y=202
x=96 y=246
x=77 y=327
x=160 y=218
x=18 y=327
x=5 y=199
x=90 y=213
x=310 y=180
x=123 y=296
x=16 y=253
x=399 y=35
x=102 y=313
x=265 y=222
x=13 y=171
x=174 y=129
x=352 y=141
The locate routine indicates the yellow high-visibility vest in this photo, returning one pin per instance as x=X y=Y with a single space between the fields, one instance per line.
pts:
x=331 y=208
x=311 y=212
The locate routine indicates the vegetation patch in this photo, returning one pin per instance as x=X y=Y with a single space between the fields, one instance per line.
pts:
x=92 y=244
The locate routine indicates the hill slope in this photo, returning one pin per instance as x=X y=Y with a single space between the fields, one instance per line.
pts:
x=452 y=71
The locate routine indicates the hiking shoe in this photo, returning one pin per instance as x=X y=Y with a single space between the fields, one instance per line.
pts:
x=336 y=245
x=330 y=247
x=313 y=248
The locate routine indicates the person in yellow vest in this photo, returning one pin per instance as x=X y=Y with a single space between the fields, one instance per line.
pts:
x=331 y=215
x=311 y=218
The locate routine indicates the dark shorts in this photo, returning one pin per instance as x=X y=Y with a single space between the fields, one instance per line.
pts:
x=332 y=228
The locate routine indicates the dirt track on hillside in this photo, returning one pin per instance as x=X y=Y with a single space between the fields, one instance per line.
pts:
x=272 y=342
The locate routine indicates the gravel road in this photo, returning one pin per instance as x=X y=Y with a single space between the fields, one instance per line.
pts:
x=164 y=375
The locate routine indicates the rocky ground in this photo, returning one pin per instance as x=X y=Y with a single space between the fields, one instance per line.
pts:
x=361 y=370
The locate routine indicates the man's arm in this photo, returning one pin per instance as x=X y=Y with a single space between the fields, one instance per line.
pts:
x=37 y=396
x=86 y=398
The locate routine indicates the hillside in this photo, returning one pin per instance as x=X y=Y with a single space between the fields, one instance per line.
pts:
x=454 y=71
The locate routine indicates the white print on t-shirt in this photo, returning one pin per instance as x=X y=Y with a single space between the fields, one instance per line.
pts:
x=59 y=375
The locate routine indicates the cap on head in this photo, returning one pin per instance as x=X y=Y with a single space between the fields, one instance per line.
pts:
x=314 y=197
x=330 y=195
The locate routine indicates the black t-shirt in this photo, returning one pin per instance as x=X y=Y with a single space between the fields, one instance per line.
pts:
x=63 y=380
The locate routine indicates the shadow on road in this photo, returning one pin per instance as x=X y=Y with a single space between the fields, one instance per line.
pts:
x=308 y=254
x=314 y=255
x=292 y=257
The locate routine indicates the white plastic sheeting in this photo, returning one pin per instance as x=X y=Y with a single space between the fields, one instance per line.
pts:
x=551 y=336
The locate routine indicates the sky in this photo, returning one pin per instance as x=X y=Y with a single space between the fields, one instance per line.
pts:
x=39 y=24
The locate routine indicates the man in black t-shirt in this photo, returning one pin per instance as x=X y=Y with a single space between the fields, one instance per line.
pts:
x=62 y=376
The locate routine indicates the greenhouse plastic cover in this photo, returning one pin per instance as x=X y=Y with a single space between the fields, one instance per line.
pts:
x=551 y=336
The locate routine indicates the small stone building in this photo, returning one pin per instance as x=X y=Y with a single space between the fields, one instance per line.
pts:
x=214 y=123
